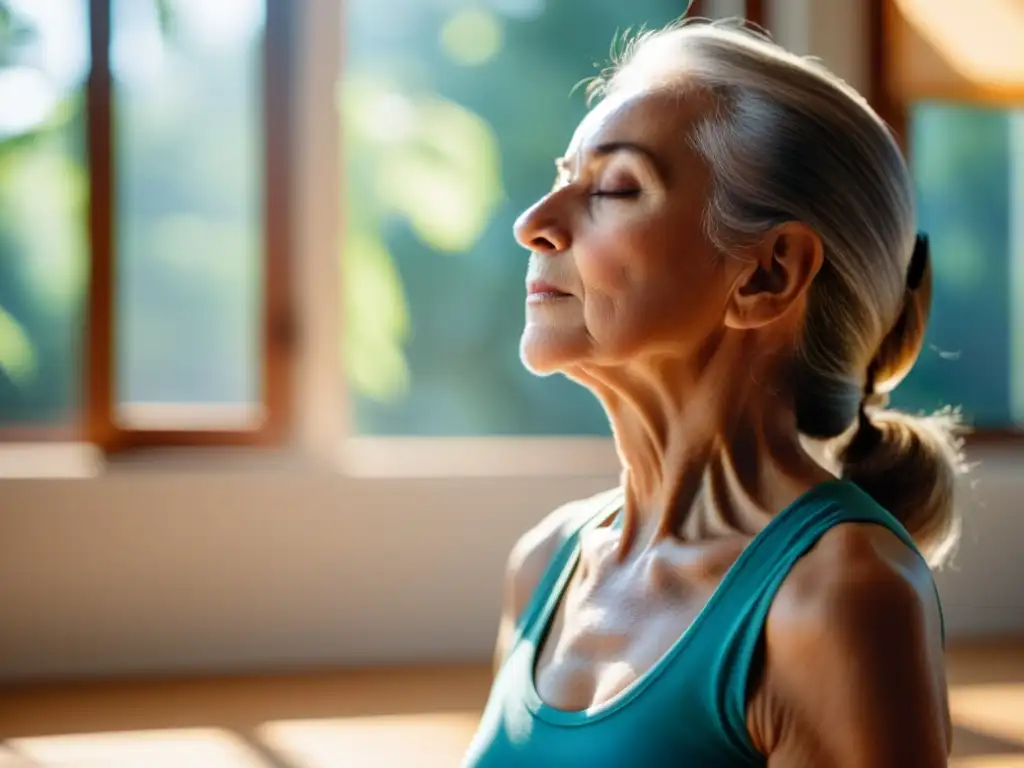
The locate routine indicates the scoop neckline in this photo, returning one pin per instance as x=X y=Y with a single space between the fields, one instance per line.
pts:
x=539 y=635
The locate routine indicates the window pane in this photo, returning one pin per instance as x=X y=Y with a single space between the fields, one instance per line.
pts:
x=968 y=176
x=43 y=209
x=451 y=116
x=188 y=92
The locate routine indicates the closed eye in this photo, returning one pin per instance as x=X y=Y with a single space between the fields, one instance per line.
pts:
x=621 y=193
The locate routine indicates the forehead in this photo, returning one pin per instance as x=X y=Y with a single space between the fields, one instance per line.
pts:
x=658 y=118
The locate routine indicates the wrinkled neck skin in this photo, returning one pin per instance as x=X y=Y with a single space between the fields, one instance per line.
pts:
x=710 y=449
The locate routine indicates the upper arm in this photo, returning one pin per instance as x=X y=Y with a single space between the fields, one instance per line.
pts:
x=527 y=562
x=855 y=663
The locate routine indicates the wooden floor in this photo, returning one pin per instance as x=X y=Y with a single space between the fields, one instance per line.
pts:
x=420 y=718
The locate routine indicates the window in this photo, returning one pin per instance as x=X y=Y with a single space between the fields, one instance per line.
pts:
x=143 y=220
x=187 y=119
x=960 y=112
x=451 y=115
x=44 y=60
x=145 y=279
x=965 y=161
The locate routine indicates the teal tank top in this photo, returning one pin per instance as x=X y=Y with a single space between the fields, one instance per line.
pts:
x=690 y=708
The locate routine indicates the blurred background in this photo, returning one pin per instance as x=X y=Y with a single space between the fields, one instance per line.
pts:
x=259 y=316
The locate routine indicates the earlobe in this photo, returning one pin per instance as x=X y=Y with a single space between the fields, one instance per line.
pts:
x=775 y=276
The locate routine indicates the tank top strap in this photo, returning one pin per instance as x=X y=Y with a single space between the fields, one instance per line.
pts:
x=742 y=610
x=590 y=515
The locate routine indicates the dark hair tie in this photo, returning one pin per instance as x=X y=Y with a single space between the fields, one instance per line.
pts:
x=869 y=381
x=918 y=262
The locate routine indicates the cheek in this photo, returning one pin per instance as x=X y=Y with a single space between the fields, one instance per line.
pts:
x=611 y=293
x=611 y=271
x=606 y=267
x=648 y=284
x=625 y=278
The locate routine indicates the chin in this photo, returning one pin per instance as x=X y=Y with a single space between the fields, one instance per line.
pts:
x=545 y=351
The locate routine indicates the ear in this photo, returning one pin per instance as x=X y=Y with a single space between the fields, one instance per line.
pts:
x=776 y=277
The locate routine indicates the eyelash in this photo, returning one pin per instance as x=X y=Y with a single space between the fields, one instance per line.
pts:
x=619 y=194
x=563 y=179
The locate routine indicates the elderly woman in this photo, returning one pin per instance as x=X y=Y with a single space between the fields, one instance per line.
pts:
x=728 y=261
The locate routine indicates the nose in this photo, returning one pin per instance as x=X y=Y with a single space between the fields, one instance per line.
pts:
x=538 y=229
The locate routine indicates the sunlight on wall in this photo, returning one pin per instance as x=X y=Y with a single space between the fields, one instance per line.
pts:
x=982 y=46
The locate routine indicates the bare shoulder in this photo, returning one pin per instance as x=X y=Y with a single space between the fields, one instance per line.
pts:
x=532 y=554
x=854 y=659
x=534 y=550
x=858 y=568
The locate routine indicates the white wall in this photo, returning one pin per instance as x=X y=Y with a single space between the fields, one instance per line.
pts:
x=159 y=571
x=206 y=565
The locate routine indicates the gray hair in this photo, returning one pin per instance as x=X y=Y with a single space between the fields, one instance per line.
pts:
x=786 y=140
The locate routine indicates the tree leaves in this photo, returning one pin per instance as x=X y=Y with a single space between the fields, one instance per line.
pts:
x=434 y=165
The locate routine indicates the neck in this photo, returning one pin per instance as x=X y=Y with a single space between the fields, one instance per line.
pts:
x=707 y=452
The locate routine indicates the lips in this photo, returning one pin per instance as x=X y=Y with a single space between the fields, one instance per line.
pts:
x=541 y=288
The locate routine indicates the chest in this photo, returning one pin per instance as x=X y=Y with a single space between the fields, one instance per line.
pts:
x=610 y=629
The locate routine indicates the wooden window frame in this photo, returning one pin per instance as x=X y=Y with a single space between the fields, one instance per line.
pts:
x=756 y=13
x=883 y=15
x=881 y=21
x=100 y=426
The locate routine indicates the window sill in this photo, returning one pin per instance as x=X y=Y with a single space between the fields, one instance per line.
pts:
x=379 y=458
x=82 y=461
x=363 y=458
x=51 y=461
x=454 y=457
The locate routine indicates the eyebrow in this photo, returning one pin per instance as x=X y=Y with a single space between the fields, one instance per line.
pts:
x=616 y=147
